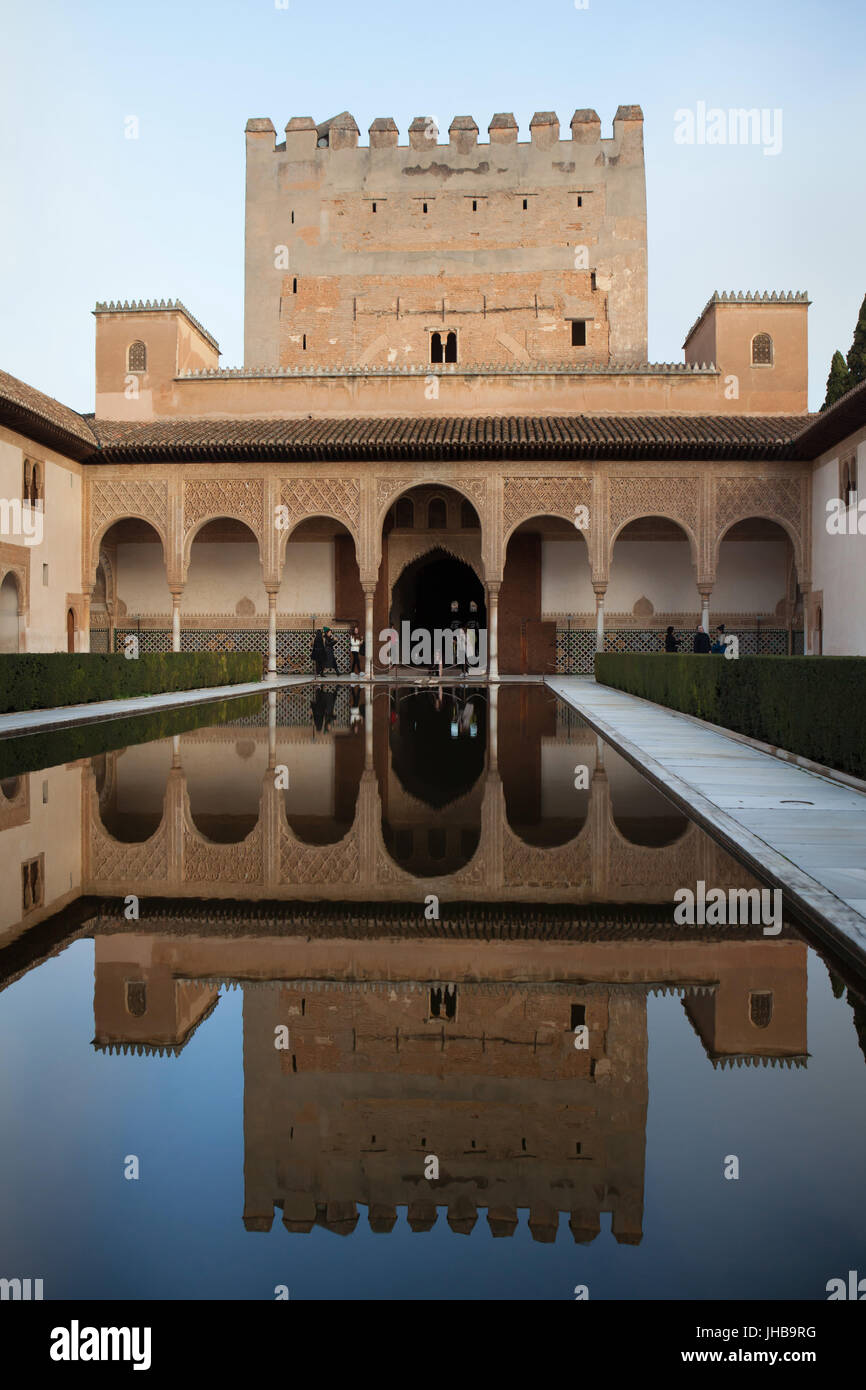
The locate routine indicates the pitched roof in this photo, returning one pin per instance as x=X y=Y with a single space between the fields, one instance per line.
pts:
x=487 y=437
x=44 y=419
x=830 y=427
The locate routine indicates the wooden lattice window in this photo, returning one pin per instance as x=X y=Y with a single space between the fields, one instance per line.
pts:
x=137 y=357
x=762 y=350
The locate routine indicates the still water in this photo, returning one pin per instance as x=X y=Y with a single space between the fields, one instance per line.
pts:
x=384 y=999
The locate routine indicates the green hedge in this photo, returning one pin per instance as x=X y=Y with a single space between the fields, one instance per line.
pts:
x=47 y=680
x=813 y=706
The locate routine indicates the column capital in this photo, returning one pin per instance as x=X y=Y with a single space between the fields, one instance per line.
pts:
x=493 y=587
x=599 y=588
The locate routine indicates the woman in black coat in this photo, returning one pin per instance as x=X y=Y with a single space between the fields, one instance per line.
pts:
x=318 y=654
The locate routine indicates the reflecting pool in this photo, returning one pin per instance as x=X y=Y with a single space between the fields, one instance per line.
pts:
x=402 y=967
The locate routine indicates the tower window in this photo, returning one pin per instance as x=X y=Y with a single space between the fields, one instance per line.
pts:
x=578 y=333
x=305 y=343
x=579 y=200
x=136 y=358
x=593 y=283
x=424 y=208
x=474 y=205
x=761 y=1008
x=578 y=1015
x=136 y=998
x=293 y=215
x=525 y=204
x=762 y=350
x=295 y=285
x=436 y=354
x=451 y=348
x=374 y=207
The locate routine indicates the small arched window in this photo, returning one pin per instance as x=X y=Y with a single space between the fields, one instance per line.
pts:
x=762 y=350
x=761 y=1008
x=437 y=514
x=436 y=347
x=32 y=491
x=451 y=348
x=136 y=357
x=404 y=513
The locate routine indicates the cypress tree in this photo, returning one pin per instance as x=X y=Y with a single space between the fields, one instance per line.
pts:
x=857 y=352
x=838 y=382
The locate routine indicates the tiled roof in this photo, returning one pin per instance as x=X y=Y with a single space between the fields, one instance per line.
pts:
x=44 y=419
x=489 y=437
x=834 y=424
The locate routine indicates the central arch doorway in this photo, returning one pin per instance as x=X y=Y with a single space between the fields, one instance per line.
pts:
x=427 y=587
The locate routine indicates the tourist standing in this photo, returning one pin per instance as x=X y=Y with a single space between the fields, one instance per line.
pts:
x=330 y=653
x=701 y=644
x=671 y=642
x=355 y=649
x=318 y=653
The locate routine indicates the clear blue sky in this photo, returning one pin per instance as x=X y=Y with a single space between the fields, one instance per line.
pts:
x=88 y=214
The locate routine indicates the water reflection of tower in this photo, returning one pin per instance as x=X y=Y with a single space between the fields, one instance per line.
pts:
x=486 y=1077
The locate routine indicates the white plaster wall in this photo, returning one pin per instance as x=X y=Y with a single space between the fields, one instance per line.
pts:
x=658 y=570
x=566 y=578
x=839 y=562
x=140 y=577
x=60 y=547
x=751 y=576
x=221 y=573
x=308 y=578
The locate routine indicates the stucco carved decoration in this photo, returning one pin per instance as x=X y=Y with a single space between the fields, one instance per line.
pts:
x=204 y=500
x=775 y=498
x=526 y=497
x=113 y=499
x=339 y=498
x=678 y=499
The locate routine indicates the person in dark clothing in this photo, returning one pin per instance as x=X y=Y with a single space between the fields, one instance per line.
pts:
x=719 y=646
x=671 y=643
x=317 y=653
x=330 y=653
x=701 y=644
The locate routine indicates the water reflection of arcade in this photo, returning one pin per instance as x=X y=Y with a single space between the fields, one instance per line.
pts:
x=391 y=799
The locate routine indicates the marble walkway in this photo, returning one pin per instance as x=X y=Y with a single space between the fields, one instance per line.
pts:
x=797 y=830
x=37 y=721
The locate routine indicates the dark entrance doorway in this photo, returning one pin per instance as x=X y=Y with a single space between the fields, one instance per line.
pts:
x=425 y=590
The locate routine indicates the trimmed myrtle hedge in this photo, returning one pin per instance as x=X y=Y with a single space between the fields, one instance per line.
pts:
x=813 y=706
x=37 y=680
